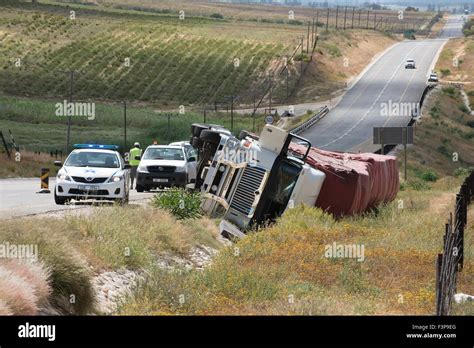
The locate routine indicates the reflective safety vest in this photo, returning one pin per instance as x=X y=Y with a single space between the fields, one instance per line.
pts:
x=133 y=153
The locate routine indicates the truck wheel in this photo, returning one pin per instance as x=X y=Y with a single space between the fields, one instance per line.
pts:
x=210 y=136
x=59 y=200
x=139 y=188
x=196 y=142
x=197 y=128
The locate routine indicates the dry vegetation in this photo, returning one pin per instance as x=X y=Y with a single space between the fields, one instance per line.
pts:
x=282 y=269
x=28 y=165
x=73 y=248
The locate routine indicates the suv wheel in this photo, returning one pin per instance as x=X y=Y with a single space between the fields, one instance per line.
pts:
x=59 y=200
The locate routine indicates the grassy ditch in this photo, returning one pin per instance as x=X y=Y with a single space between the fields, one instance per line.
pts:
x=76 y=247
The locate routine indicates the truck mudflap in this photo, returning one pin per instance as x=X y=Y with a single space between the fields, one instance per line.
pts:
x=354 y=183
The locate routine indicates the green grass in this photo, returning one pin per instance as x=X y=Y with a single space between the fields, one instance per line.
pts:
x=35 y=126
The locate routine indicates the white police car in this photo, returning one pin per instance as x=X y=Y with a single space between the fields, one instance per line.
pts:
x=95 y=172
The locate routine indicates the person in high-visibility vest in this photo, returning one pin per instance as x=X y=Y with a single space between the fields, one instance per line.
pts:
x=134 y=152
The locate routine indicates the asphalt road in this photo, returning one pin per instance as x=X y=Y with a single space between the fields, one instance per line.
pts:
x=18 y=198
x=382 y=95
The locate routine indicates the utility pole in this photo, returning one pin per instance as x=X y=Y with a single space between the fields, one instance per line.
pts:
x=124 y=125
x=169 y=127
x=360 y=14
x=375 y=20
x=71 y=73
x=368 y=17
x=337 y=13
x=271 y=90
x=353 y=13
x=232 y=114
x=302 y=43
x=327 y=21
x=345 y=16
x=307 y=38
x=317 y=21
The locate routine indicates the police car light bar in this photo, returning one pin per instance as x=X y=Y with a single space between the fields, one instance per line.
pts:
x=96 y=146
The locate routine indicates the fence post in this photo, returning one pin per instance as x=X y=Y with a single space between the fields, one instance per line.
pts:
x=7 y=150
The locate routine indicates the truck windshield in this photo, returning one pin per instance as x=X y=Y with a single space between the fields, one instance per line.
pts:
x=164 y=153
x=285 y=180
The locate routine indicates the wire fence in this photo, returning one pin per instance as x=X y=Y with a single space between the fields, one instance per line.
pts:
x=451 y=261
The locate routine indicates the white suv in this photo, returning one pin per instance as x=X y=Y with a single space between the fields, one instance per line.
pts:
x=166 y=166
x=410 y=64
x=95 y=172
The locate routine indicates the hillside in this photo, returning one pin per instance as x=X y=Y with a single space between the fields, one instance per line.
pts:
x=154 y=57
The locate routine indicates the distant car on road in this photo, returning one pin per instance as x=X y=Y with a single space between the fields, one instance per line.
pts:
x=410 y=64
x=95 y=172
x=166 y=166
x=433 y=77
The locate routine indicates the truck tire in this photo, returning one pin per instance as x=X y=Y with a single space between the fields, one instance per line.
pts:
x=210 y=136
x=196 y=142
x=59 y=200
x=197 y=128
x=139 y=188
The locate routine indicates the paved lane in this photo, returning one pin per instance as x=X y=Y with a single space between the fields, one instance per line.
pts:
x=374 y=99
x=18 y=197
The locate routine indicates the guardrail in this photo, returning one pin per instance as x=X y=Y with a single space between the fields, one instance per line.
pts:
x=451 y=261
x=309 y=123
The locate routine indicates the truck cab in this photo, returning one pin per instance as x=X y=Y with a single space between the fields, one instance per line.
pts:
x=252 y=180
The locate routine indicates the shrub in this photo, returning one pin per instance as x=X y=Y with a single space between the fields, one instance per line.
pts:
x=461 y=172
x=443 y=150
x=428 y=175
x=445 y=72
x=181 y=203
x=217 y=16
x=418 y=185
x=450 y=90
x=69 y=275
x=295 y=22
x=464 y=108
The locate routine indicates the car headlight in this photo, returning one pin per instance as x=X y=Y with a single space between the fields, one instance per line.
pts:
x=63 y=177
x=180 y=169
x=116 y=178
x=142 y=169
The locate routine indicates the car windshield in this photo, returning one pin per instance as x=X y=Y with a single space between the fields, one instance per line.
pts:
x=93 y=159
x=164 y=153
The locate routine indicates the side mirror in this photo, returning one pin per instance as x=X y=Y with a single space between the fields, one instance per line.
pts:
x=192 y=159
x=58 y=163
x=127 y=166
x=138 y=158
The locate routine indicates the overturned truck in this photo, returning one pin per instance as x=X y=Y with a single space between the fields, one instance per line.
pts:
x=250 y=180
